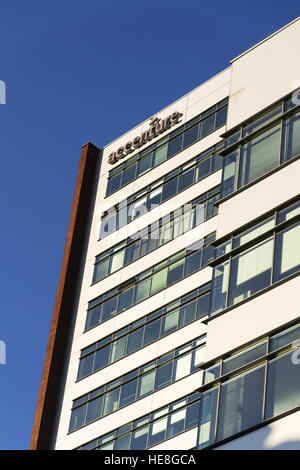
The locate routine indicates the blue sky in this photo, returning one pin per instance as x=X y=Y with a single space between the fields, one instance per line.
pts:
x=79 y=71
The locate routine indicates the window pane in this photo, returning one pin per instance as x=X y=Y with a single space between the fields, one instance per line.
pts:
x=157 y=431
x=102 y=357
x=155 y=197
x=241 y=403
x=190 y=136
x=159 y=281
x=188 y=312
x=111 y=401
x=135 y=340
x=128 y=174
x=113 y=183
x=283 y=385
x=176 y=423
x=160 y=155
x=169 y=189
x=284 y=338
x=101 y=270
x=77 y=417
x=86 y=366
x=287 y=254
x=253 y=232
x=132 y=252
x=183 y=366
x=175 y=272
x=207 y=125
x=122 y=443
x=139 y=438
x=142 y=290
x=118 y=349
x=174 y=146
x=192 y=263
x=128 y=393
x=125 y=299
x=163 y=375
x=94 y=410
x=170 y=322
x=203 y=305
x=292 y=137
x=260 y=155
x=108 y=225
x=144 y=164
x=117 y=261
x=93 y=317
x=289 y=212
x=251 y=271
x=202 y=169
x=109 y=308
x=192 y=415
x=221 y=117
x=229 y=176
x=220 y=287
x=152 y=332
x=208 y=418
x=186 y=179
x=244 y=357
x=146 y=383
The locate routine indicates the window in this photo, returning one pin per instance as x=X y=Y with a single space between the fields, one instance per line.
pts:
x=292 y=137
x=111 y=401
x=146 y=384
x=287 y=252
x=159 y=281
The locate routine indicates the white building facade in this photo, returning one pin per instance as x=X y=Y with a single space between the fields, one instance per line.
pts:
x=184 y=320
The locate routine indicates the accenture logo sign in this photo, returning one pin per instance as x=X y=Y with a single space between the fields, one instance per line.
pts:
x=156 y=127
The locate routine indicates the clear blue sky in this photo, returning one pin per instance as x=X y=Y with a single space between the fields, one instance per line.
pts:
x=80 y=71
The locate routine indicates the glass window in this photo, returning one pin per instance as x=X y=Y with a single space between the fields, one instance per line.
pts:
x=289 y=212
x=207 y=125
x=160 y=155
x=125 y=299
x=159 y=281
x=122 y=443
x=118 y=349
x=163 y=375
x=241 y=403
x=94 y=410
x=292 y=136
x=176 y=422
x=183 y=366
x=86 y=366
x=128 y=393
x=77 y=418
x=142 y=290
x=144 y=164
x=245 y=357
x=254 y=232
x=208 y=418
x=220 y=287
x=128 y=174
x=101 y=270
x=93 y=317
x=139 y=438
x=284 y=338
x=192 y=262
x=174 y=145
x=117 y=261
x=188 y=312
x=190 y=136
x=114 y=183
x=192 y=415
x=109 y=308
x=203 y=305
x=212 y=373
x=229 y=176
x=185 y=179
x=155 y=198
x=157 y=431
x=170 y=322
x=175 y=272
x=251 y=271
x=260 y=155
x=135 y=340
x=102 y=357
x=108 y=225
x=139 y=208
x=169 y=189
x=202 y=169
x=287 y=254
x=146 y=383
x=152 y=332
x=132 y=252
x=111 y=401
x=221 y=117
x=283 y=386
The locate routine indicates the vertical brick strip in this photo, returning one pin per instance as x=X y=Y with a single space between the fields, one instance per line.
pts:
x=62 y=314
